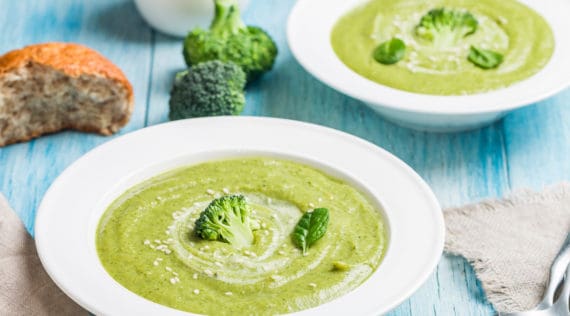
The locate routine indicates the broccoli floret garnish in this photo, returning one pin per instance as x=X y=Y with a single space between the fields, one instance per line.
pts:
x=229 y=39
x=445 y=28
x=227 y=219
x=208 y=89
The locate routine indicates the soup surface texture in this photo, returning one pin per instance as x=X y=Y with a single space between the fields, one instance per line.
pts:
x=146 y=241
x=508 y=27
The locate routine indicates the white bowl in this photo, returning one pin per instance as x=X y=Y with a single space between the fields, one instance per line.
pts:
x=309 y=40
x=68 y=216
x=178 y=17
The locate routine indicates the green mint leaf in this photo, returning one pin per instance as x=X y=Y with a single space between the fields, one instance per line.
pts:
x=390 y=52
x=483 y=58
x=311 y=227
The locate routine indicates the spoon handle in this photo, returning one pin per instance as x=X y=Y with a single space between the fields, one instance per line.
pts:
x=557 y=271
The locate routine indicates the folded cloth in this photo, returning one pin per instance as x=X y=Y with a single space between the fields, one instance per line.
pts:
x=25 y=288
x=511 y=243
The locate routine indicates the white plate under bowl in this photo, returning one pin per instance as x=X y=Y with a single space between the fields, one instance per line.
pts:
x=309 y=35
x=67 y=218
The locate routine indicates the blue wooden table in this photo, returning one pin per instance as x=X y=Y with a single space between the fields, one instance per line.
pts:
x=529 y=148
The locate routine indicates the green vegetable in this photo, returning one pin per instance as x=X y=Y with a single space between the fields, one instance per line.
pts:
x=340 y=266
x=390 y=52
x=311 y=227
x=445 y=28
x=208 y=89
x=227 y=219
x=229 y=39
x=483 y=58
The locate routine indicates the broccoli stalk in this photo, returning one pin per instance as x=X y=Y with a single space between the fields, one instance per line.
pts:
x=445 y=28
x=227 y=219
x=227 y=20
x=208 y=89
x=230 y=40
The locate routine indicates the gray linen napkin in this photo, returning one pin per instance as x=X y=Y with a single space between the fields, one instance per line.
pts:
x=25 y=288
x=511 y=243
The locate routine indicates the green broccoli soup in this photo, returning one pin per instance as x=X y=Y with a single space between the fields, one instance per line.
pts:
x=443 y=47
x=247 y=236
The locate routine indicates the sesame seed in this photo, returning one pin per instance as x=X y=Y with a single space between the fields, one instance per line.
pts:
x=281 y=252
x=208 y=272
x=275 y=277
x=167 y=232
x=159 y=259
x=311 y=205
x=195 y=276
x=252 y=254
x=167 y=251
x=169 y=240
x=196 y=291
x=155 y=263
x=263 y=225
x=206 y=247
x=313 y=285
x=174 y=273
x=174 y=280
x=157 y=241
x=269 y=200
x=210 y=191
x=146 y=242
x=226 y=190
x=229 y=293
x=169 y=269
x=219 y=264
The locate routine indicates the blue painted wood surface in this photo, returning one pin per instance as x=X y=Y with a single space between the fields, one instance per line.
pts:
x=527 y=149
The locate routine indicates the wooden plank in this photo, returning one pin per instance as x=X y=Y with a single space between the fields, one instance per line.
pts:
x=537 y=142
x=168 y=61
x=113 y=28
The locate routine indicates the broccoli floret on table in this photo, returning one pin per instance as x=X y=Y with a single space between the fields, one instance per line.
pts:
x=445 y=28
x=227 y=219
x=208 y=89
x=229 y=39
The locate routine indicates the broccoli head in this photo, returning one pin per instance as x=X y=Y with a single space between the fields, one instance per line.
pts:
x=227 y=219
x=208 y=89
x=445 y=28
x=229 y=39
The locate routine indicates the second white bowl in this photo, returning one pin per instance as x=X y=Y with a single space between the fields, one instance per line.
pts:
x=310 y=42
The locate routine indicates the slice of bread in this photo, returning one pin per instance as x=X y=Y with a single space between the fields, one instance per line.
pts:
x=50 y=87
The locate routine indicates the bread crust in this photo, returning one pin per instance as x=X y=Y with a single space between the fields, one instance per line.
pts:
x=70 y=58
x=73 y=60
